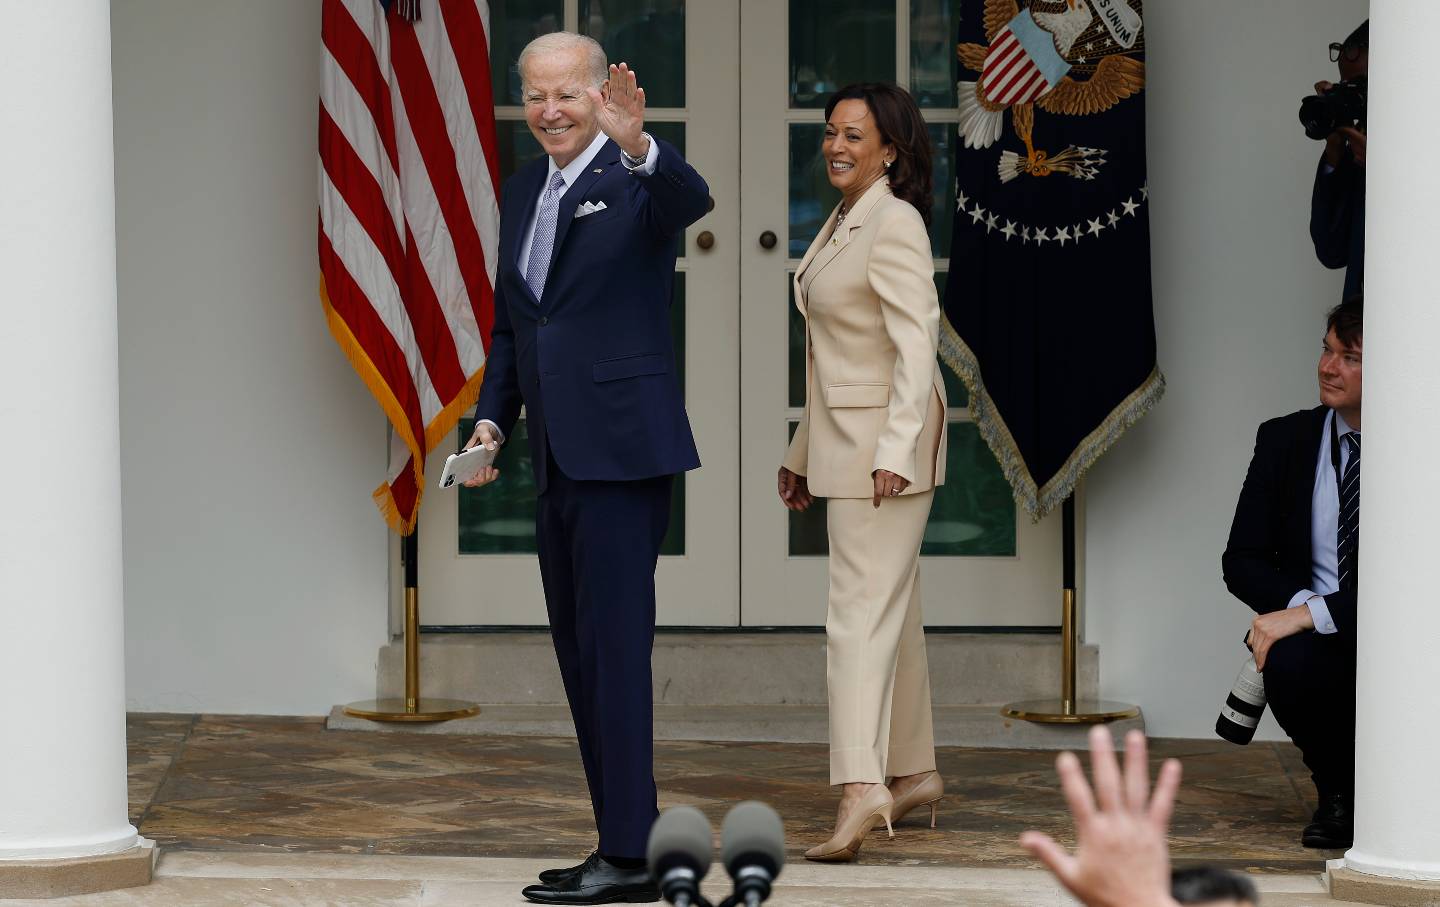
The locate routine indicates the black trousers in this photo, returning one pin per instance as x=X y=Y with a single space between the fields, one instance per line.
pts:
x=1310 y=685
x=598 y=545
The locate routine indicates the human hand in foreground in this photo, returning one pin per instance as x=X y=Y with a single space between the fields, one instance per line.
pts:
x=1121 y=858
x=794 y=490
x=483 y=435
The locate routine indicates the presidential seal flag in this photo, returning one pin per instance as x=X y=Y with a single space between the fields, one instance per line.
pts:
x=409 y=222
x=1047 y=309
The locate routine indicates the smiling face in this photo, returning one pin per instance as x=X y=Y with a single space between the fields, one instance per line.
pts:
x=1340 y=377
x=557 y=109
x=854 y=152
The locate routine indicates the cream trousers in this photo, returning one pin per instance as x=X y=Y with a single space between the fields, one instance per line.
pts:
x=880 y=724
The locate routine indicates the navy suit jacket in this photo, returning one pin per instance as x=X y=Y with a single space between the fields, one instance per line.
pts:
x=1268 y=558
x=593 y=362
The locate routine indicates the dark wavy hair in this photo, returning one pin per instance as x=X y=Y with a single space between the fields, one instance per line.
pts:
x=1347 y=320
x=902 y=127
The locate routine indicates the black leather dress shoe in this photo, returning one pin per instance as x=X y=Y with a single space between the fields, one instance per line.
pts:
x=598 y=883
x=551 y=876
x=1333 y=825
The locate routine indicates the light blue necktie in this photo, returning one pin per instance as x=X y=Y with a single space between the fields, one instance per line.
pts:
x=538 y=266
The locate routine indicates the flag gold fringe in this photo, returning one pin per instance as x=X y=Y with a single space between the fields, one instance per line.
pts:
x=440 y=426
x=1039 y=501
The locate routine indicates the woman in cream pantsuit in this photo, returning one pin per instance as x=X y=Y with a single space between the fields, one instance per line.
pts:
x=872 y=441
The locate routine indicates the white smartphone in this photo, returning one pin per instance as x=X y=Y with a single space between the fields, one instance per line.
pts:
x=462 y=467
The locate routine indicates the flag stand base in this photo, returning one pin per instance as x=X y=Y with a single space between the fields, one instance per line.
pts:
x=418 y=710
x=1067 y=709
x=412 y=708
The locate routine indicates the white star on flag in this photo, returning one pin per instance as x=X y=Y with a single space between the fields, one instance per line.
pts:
x=1078 y=231
x=1062 y=234
x=1114 y=218
x=1129 y=206
x=1008 y=230
x=1096 y=226
x=1145 y=191
x=961 y=200
x=1040 y=236
x=977 y=213
x=990 y=222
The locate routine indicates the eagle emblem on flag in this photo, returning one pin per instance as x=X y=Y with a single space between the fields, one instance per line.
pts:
x=1067 y=57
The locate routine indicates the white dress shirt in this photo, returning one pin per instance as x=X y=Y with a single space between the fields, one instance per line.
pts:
x=1324 y=525
x=570 y=173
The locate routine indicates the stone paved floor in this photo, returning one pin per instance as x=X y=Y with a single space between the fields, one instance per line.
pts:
x=212 y=879
x=268 y=785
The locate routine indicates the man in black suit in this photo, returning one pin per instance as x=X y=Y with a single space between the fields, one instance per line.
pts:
x=1293 y=558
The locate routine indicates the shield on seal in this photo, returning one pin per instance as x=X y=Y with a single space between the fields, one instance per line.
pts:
x=1023 y=63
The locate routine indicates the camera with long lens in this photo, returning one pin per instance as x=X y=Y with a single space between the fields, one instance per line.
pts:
x=1240 y=714
x=1343 y=105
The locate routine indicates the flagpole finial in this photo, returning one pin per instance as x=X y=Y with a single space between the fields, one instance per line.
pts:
x=409 y=10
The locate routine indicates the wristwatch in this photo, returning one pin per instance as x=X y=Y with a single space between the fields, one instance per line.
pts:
x=635 y=163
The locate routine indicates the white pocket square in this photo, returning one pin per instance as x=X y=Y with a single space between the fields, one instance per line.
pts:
x=589 y=208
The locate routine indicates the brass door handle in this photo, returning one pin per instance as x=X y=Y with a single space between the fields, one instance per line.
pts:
x=705 y=240
x=767 y=239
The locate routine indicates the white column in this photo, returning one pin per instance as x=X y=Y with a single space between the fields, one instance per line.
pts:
x=62 y=750
x=1397 y=810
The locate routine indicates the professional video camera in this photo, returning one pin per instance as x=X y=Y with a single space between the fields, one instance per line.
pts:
x=1342 y=105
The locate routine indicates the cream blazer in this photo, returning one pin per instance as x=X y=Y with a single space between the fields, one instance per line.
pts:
x=874 y=395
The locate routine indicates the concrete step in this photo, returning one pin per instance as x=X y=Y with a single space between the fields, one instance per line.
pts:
x=976 y=726
x=733 y=669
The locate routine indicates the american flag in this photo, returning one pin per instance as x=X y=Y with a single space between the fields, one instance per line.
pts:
x=409 y=221
x=1022 y=64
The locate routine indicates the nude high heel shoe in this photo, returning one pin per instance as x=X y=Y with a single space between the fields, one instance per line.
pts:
x=928 y=792
x=844 y=846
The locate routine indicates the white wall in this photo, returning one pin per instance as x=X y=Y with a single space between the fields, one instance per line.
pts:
x=255 y=562
x=263 y=589
x=1240 y=303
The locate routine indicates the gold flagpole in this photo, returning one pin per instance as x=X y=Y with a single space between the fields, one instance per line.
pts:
x=412 y=707
x=1069 y=709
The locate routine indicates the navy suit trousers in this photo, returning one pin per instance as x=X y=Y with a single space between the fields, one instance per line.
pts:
x=1310 y=685
x=598 y=544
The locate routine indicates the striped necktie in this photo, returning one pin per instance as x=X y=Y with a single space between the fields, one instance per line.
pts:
x=538 y=267
x=1347 y=530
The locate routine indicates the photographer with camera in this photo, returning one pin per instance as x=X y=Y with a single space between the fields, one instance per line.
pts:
x=1293 y=557
x=1336 y=114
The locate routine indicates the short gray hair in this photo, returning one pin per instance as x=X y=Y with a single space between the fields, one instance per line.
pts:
x=597 y=65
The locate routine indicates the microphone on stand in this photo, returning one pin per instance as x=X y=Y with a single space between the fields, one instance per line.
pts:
x=678 y=853
x=753 y=851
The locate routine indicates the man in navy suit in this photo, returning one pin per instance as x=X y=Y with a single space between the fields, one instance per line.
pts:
x=582 y=339
x=1293 y=557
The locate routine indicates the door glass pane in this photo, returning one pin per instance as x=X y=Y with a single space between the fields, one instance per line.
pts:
x=796 y=355
x=932 y=52
x=974 y=511
x=808 y=536
x=513 y=24
x=973 y=514
x=812 y=198
x=517 y=146
x=942 y=211
x=836 y=42
x=500 y=517
x=647 y=34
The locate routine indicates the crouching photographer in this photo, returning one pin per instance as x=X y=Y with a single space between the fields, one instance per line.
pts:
x=1336 y=115
x=1293 y=557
